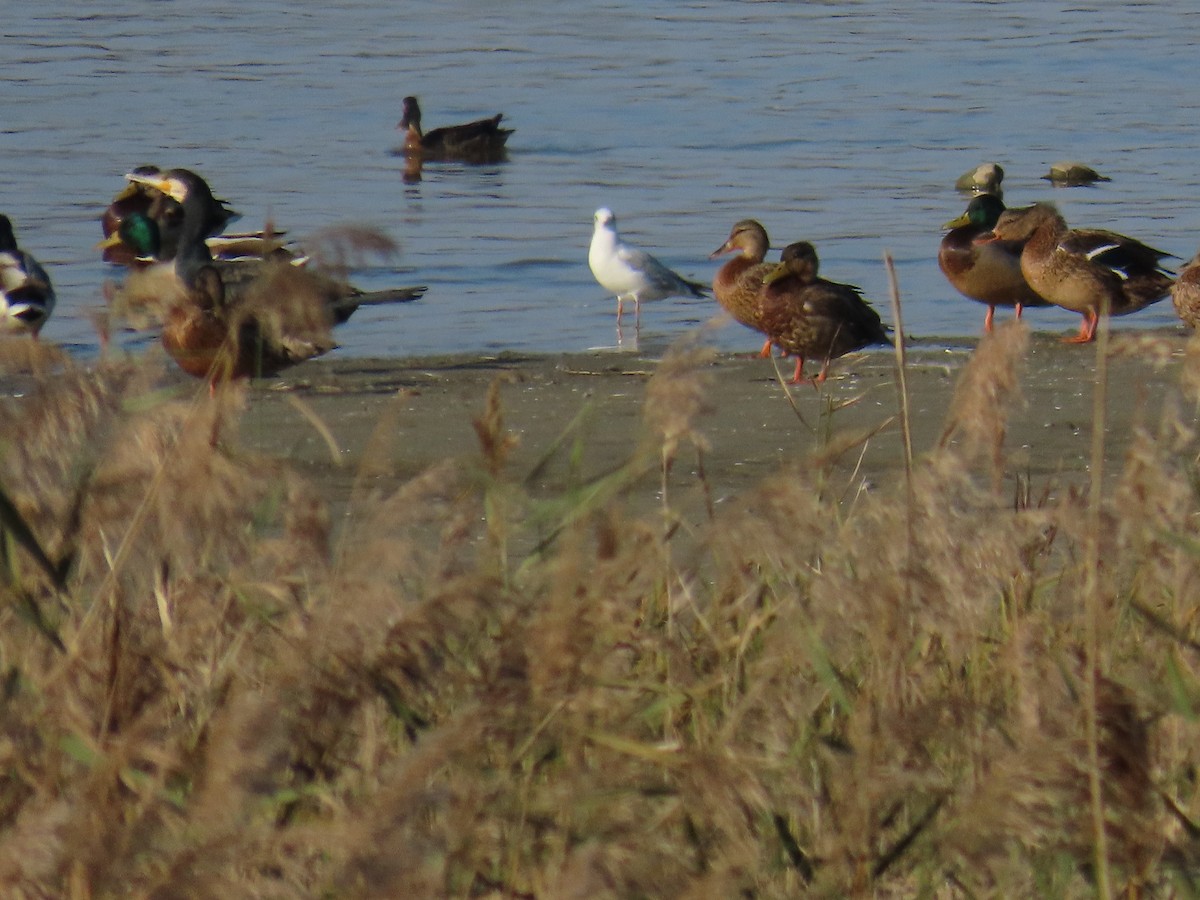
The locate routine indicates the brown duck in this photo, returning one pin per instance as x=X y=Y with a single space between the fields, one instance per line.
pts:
x=1084 y=270
x=738 y=284
x=479 y=141
x=811 y=317
x=988 y=272
x=1185 y=292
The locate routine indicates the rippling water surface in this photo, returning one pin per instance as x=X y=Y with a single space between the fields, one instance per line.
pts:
x=842 y=123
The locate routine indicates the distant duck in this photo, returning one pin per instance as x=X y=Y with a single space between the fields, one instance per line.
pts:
x=985 y=178
x=479 y=141
x=811 y=317
x=1070 y=174
x=1185 y=293
x=1079 y=269
x=630 y=273
x=25 y=292
x=988 y=272
x=738 y=284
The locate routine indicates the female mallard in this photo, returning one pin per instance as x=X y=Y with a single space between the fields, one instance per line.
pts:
x=1185 y=292
x=1086 y=271
x=26 y=297
x=988 y=272
x=738 y=284
x=811 y=317
x=479 y=141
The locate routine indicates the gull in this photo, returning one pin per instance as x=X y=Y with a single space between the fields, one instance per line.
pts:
x=632 y=273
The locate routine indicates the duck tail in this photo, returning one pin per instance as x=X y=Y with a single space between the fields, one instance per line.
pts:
x=345 y=306
x=389 y=295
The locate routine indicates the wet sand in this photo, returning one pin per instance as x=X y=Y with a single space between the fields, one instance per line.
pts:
x=752 y=428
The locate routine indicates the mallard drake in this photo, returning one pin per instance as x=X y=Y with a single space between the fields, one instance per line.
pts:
x=479 y=141
x=985 y=178
x=1084 y=270
x=738 y=284
x=1069 y=174
x=144 y=196
x=1185 y=292
x=141 y=194
x=988 y=272
x=630 y=273
x=225 y=320
x=809 y=316
x=25 y=290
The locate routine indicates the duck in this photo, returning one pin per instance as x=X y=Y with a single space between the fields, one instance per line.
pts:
x=140 y=195
x=737 y=285
x=988 y=272
x=1069 y=173
x=224 y=321
x=1185 y=292
x=144 y=196
x=26 y=295
x=985 y=178
x=630 y=273
x=480 y=141
x=1084 y=270
x=811 y=317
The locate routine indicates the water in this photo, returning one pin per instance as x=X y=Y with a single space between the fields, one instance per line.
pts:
x=841 y=123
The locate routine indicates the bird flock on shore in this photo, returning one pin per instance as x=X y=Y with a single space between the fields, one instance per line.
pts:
x=249 y=304
x=1018 y=258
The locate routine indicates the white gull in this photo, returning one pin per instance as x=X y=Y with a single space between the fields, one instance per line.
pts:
x=632 y=273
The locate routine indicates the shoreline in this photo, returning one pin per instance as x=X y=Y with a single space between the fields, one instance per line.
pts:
x=590 y=406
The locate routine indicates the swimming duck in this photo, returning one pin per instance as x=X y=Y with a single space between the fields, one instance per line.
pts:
x=985 y=178
x=809 y=316
x=1070 y=174
x=630 y=273
x=25 y=290
x=988 y=272
x=1185 y=292
x=225 y=320
x=738 y=284
x=479 y=141
x=1081 y=269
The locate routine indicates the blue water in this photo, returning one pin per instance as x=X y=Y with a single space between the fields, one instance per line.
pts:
x=841 y=123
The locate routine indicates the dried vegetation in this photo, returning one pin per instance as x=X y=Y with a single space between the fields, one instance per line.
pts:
x=924 y=690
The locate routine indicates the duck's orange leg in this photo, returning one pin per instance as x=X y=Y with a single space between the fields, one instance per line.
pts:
x=1087 y=330
x=987 y=320
x=798 y=377
x=1020 y=309
x=820 y=379
x=765 y=352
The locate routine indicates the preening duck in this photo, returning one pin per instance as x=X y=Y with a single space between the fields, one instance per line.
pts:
x=225 y=320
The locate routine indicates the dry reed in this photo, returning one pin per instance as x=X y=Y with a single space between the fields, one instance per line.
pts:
x=206 y=693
